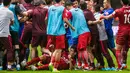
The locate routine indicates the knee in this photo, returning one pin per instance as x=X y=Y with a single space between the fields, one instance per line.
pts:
x=119 y=47
x=34 y=48
x=107 y=56
x=58 y=51
x=124 y=52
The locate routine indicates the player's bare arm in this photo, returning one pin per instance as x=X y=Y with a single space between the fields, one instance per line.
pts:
x=26 y=13
x=11 y=22
x=70 y=62
x=68 y=23
x=109 y=16
x=23 y=19
x=94 y=22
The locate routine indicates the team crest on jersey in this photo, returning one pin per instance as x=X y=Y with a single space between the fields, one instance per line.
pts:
x=106 y=13
x=76 y=9
x=53 y=9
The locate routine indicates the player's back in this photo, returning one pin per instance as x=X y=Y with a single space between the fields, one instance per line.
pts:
x=79 y=22
x=28 y=26
x=55 y=12
x=124 y=16
x=5 y=16
x=15 y=26
x=28 y=6
x=90 y=17
x=55 y=20
x=39 y=15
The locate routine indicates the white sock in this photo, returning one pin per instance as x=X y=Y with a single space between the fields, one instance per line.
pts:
x=9 y=66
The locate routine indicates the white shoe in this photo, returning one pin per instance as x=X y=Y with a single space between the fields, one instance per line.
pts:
x=1 y=68
x=86 y=68
x=124 y=66
x=23 y=63
x=18 y=67
x=79 y=67
x=97 y=65
x=33 y=67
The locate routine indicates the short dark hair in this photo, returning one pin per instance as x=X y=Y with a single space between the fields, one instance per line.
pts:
x=95 y=1
x=109 y=1
x=1 y=1
x=83 y=6
x=57 y=1
x=97 y=8
x=125 y=2
x=75 y=0
x=48 y=2
x=6 y=2
x=68 y=3
x=38 y=2
x=28 y=1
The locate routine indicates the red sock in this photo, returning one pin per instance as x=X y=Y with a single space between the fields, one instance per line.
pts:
x=79 y=59
x=52 y=59
x=56 y=64
x=33 y=61
x=48 y=43
x=85 y=58
x=44 y=67
x=118 y=58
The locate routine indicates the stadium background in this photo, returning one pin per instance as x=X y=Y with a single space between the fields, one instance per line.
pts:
x=115 y=4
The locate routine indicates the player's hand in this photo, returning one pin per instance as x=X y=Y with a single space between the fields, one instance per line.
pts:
x=101 y=17
x=69 y=56
x=28 y=22
x=104 y=17
x=24 y=19
x=29 y=11
x=73 y=28
x=99 y=21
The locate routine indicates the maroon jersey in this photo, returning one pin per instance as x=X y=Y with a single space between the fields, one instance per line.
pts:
x=124 y=25
x=38 y=21
x=22 y=1
x=48 y=59
x=90 y=17
x=28 y=6
x=28 y=26
x=64 y=61
x=124 y=16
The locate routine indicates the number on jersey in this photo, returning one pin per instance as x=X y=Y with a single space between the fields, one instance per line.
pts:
x=127 y=18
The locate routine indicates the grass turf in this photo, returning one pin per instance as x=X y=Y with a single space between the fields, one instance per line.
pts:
x=76 y=71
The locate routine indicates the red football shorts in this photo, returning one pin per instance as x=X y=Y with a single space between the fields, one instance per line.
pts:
x=57 y=41
x=83 y=41
x=123 y=36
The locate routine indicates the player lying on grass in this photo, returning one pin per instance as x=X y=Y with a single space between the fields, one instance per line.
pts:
x=66 y=62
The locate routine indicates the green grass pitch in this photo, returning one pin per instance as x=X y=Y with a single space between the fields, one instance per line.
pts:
x=75 y=71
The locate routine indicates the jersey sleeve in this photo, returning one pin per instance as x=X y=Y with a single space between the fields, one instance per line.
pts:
x=22 y=7
x=108 y=12
x=11 y=16
x=47 y=14
x=30 y=12
x=89 y=16
x=116 y=13
x=67 y=14
x=17 y=9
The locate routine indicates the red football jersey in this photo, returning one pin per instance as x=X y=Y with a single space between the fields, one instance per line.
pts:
x=124 y=15
x=64 y=61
